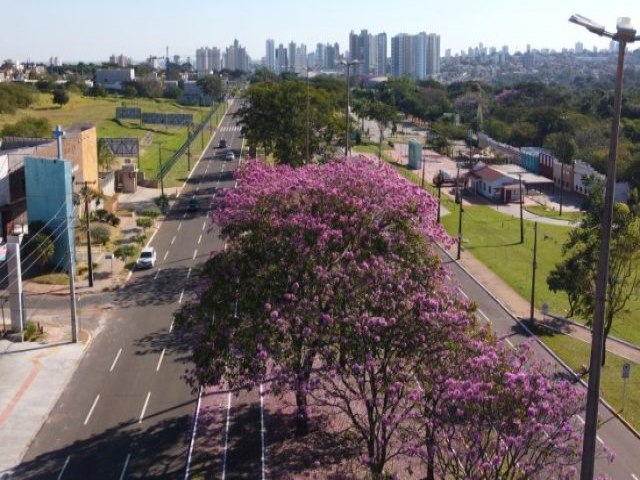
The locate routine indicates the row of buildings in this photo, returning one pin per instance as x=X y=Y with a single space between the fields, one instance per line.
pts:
x=211 y=59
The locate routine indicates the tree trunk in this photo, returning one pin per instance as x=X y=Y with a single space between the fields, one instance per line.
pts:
x=302 y=415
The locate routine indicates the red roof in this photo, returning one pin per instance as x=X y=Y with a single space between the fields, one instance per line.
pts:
x=488 y=174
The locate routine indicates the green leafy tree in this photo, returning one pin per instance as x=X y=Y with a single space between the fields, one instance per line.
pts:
x=100 y=233
x=60 y=96
x=125 y=252
x=576 y=274
x=106 y=158
x=564 y=148
x=211 y=85
x=144 y=223
x=28 y=127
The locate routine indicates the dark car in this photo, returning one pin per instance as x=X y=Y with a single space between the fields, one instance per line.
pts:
x=194 y=205
x=223 y=143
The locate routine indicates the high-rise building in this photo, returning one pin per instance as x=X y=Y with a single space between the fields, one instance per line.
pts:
x=433 y=54
x=207 y=59
x=419 y=56
x=291 y=56
x=381 y=54
x=281 y=59
x=401 y=55
x=270 y=55
x=359 y=51
x=236 y=57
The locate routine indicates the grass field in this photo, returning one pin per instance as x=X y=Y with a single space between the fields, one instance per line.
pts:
x=576 y=354
x=543 y=211
x=101 y=113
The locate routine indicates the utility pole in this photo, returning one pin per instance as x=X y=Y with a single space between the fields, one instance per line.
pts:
x=72 y=284
x=86 y=193
x=160 y=170
x=535 y=267
x=189 y=149
x=521 y=206
x=307 y=119
x=460 y=213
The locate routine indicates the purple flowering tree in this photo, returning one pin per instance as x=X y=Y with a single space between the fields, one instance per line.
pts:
x=499 y=416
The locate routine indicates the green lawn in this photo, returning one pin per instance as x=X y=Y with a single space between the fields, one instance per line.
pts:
x=493 y=238
x=543 y=211
x=576 y=354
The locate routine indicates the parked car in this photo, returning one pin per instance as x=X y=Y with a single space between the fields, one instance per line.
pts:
x=147 y=258
x=230 y=156
x=223 y=143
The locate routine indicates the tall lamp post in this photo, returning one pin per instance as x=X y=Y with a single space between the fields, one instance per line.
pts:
x=521 y=206
x=348 y=65
x=624 y=34
x=459 y=195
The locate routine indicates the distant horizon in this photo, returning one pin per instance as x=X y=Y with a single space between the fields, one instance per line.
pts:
x=124 y=27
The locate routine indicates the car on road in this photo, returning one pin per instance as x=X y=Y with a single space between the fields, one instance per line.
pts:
x=194 y=204
x=147 y=258
x=223 y=143
x=230 y=156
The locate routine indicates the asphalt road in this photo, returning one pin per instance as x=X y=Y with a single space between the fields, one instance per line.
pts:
x=612 y=433
x=127 y=412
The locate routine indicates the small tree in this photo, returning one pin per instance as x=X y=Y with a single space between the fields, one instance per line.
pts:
x=106 y=158
x=125 y=252
x=100 y=234
x=60 y=96
x=144 y=223
x=42 y=248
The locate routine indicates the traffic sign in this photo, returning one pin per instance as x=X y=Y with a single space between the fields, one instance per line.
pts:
x=626 y=370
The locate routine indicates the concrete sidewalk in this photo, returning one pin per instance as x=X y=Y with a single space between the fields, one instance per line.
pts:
x=33 y=375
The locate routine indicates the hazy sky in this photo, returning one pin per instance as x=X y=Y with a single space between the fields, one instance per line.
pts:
x=91 y=30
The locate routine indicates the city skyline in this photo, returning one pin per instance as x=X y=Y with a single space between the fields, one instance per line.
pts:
x=130 y=29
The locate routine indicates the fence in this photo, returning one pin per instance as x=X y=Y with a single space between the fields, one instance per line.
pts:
x=168 y=165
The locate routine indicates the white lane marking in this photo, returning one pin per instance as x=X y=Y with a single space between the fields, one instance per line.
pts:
x=509 y=342
x=160 y=360
x=580 y=418
x=184 y=215
x=126 y=464
x=485 y=317
x=64 y=467
x=144 y=407
x=115 y=360
x=166 y=254
x=262 y=429
x=171 y=327
x=179 y=226
x=193 y=435
x=204 y=225
x=181 y=295
x=463 y=294
x=173 y=240
x=195 y=254
x=226 y=438
x=199 y=239
x=634 y=477
x=156 y=275
x=95 y=402
x=188 y=273
x=599 y=439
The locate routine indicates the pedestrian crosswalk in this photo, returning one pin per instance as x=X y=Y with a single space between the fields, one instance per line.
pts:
x=234 y=128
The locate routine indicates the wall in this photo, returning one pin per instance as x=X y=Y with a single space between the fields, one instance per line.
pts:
x=49 y=199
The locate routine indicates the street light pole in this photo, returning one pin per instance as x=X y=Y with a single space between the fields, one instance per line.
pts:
x=521 y=216
x=625 y=33
x=535 y=267
x=459 y=214
x=346 y=144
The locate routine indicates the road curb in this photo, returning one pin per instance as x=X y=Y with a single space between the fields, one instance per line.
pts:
x=541 y=343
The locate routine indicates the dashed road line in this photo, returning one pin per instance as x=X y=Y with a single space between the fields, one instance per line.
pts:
x=115 y=360
x=509 y=342
x=64 y=467
x=166 y=254
x=188 y=273
x=173 y=240
x=124 y=468
x=199 y=239
x=160 y=360
x=181 y=295
x=262 y=430
x=226 y=438
x=485 y=317
x=463 y=294
x=600 y=440
x=195 y=254
x=634 y=477
x=144 y=407
x=171 y=327
x=180 y=225
x=204 y=225
x=95 y=402
x=155 y=277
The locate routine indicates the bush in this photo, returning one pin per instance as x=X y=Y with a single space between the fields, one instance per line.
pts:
x=100 y=233
x=14 y=96
x=162 y=201
x=113 y=219
x=28 y=127
x=100 y=215
x=32 y=331
x=60 y=96
x=144 y=222
x=139 y=239
x=127 y=251
x=151 y=213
